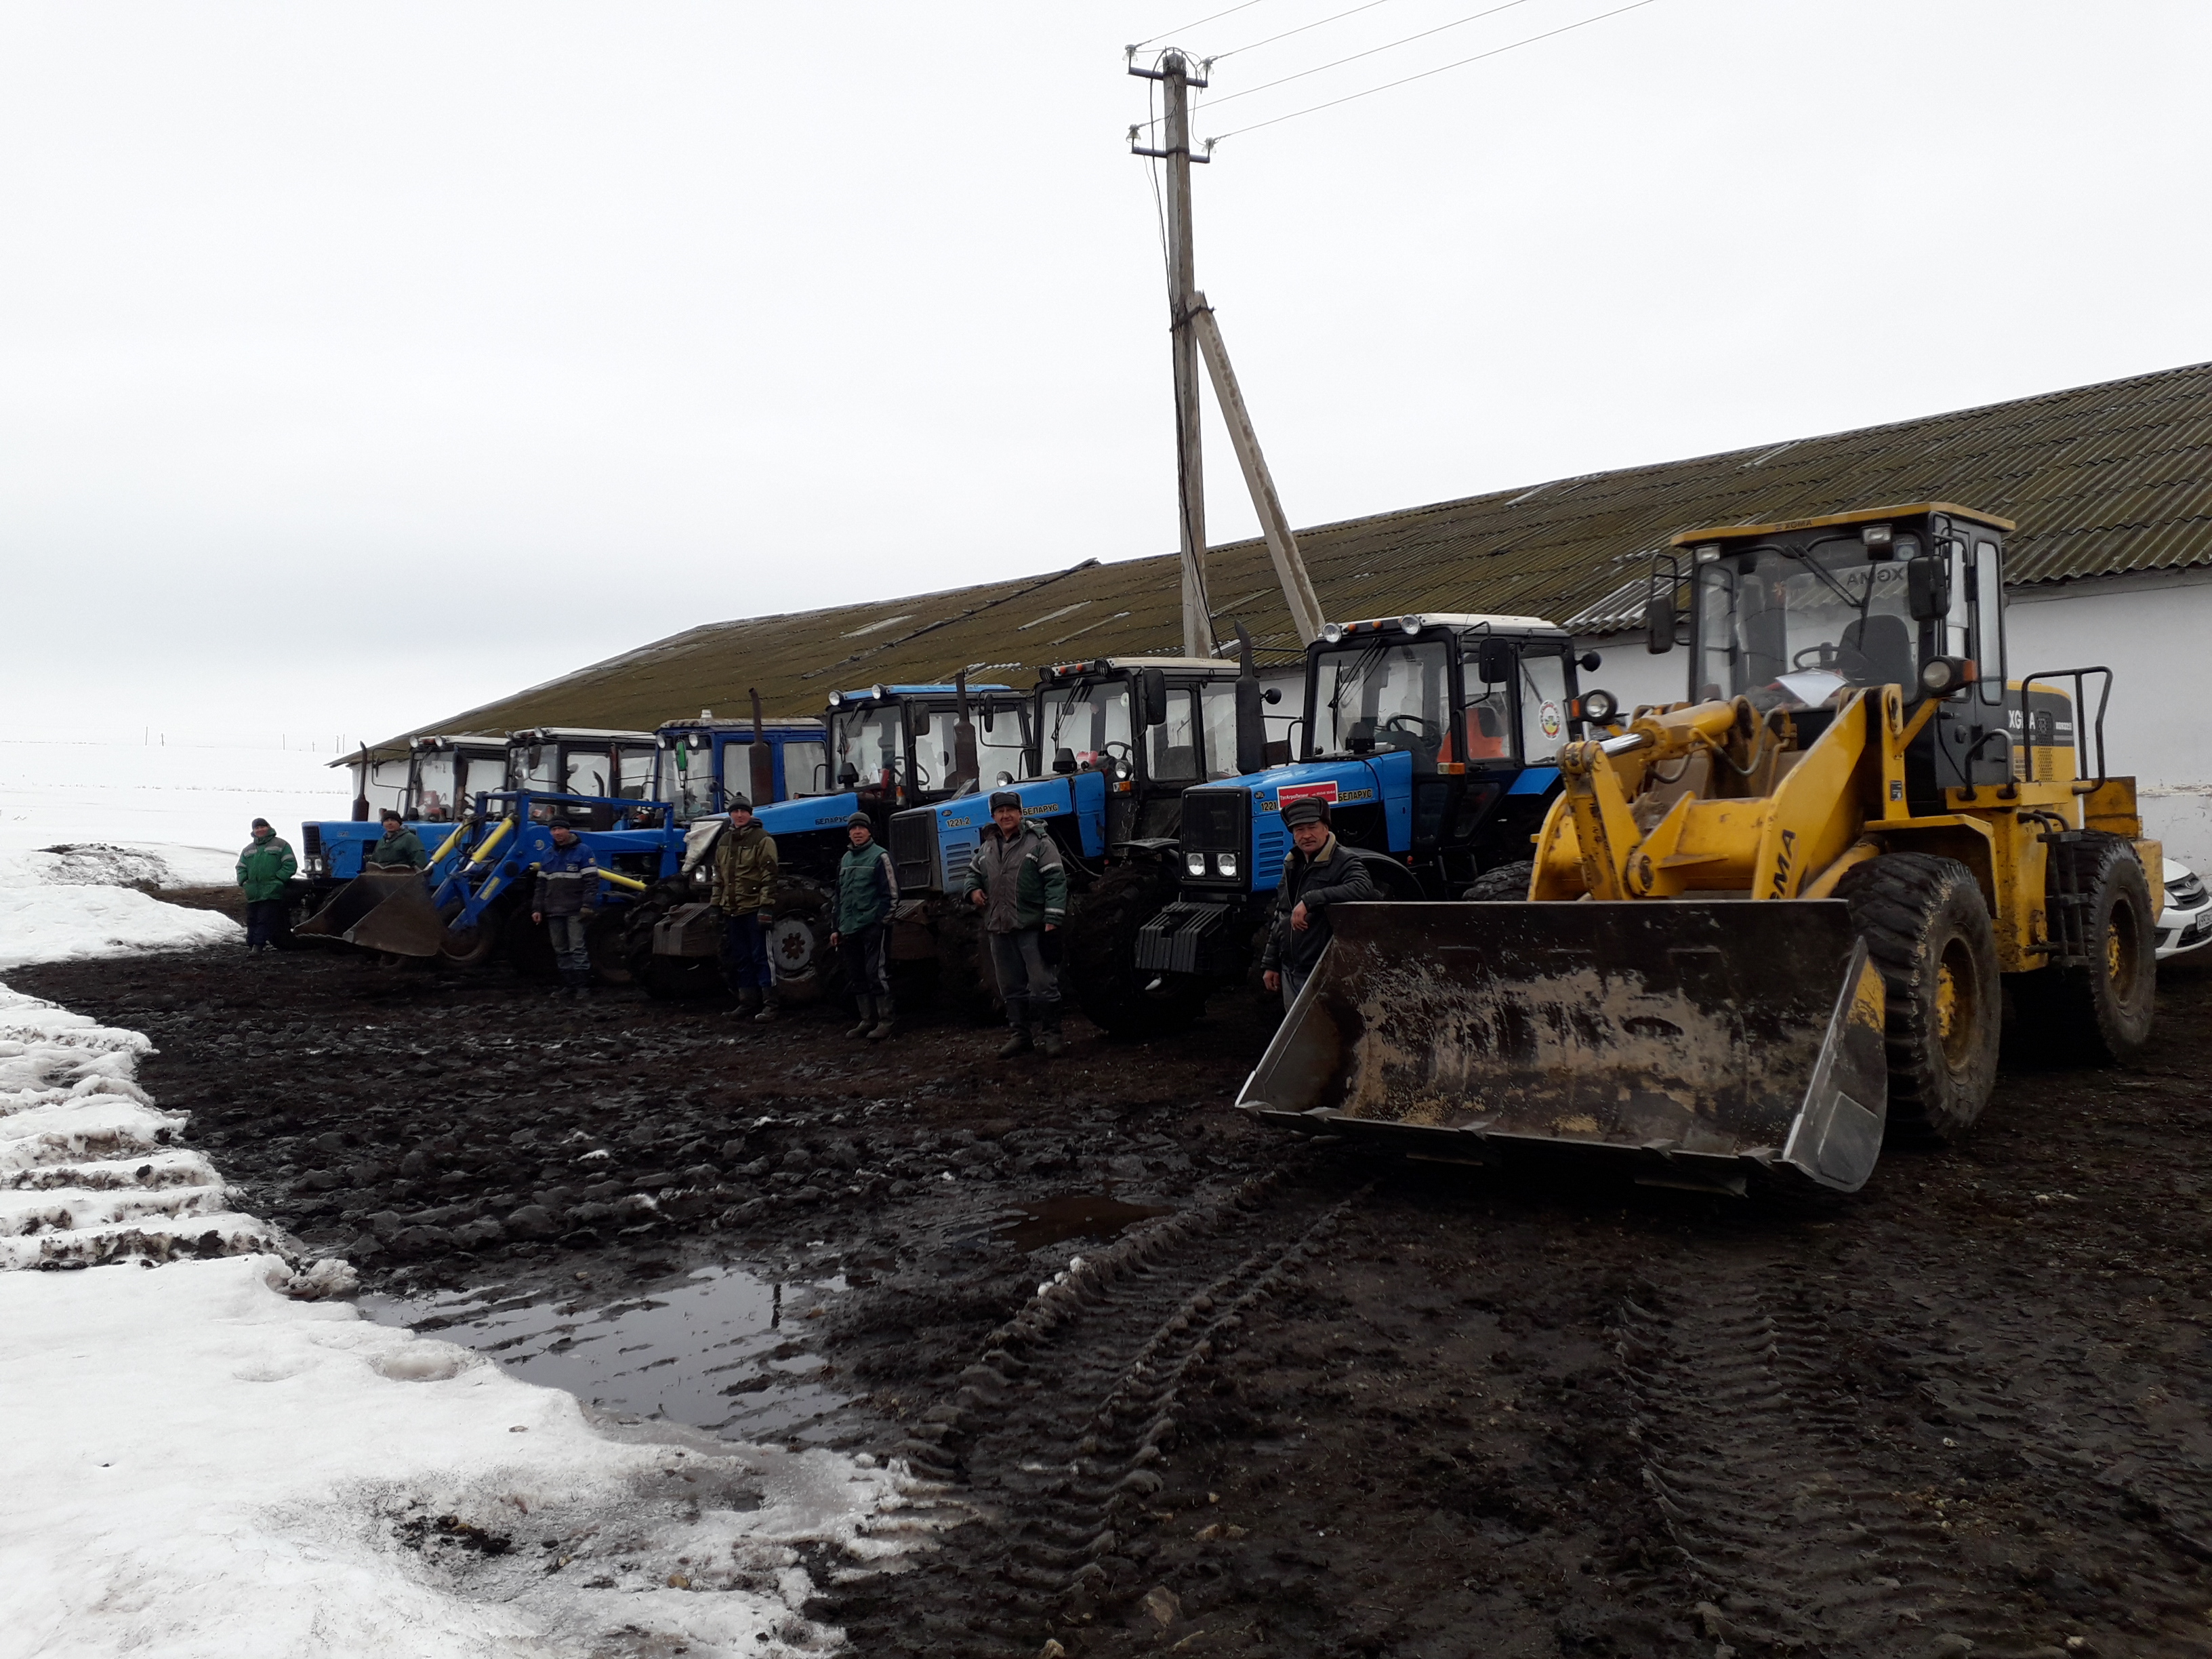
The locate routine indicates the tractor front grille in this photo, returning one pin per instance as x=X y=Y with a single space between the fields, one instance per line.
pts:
x=914 y=852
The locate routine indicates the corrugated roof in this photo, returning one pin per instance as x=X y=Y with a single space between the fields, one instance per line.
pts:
x=2102 y=479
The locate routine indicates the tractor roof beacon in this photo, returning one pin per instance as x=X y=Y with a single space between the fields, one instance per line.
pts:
x=1919 y=828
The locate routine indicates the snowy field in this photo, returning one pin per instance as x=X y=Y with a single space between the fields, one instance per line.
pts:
x=213 y=1455
x=196 y=805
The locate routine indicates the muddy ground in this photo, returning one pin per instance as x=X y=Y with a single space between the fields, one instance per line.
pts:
x=1321 y=1405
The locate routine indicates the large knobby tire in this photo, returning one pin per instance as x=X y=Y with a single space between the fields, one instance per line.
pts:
x=1928 y=932
x=606 y=938
x=1101 y=957
x=473 y=947
x=799 y=923
x=967 y=985
x=2102 y=1013
x=1506 y=882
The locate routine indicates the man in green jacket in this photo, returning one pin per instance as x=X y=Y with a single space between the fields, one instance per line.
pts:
x=867 y=887
x=1016 y=880
x=263 y=869
x=745 y=894
x=401 y=848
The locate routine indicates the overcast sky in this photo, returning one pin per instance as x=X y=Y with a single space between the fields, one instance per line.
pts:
x=360 y=363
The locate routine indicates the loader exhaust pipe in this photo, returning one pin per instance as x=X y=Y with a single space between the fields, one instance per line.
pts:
x=1693 y=1044
x=761 y=762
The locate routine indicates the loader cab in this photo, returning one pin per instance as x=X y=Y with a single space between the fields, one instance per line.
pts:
x=444 y=774
x=701 y=763
x=1152 y=725
x=901 y=742
x=1796 y=617
x=581 y=761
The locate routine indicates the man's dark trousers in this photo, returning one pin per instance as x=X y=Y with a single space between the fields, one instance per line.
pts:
x=744 y=952
x=265 y=922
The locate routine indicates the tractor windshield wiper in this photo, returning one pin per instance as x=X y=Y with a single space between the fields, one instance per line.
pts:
x=1804 y=557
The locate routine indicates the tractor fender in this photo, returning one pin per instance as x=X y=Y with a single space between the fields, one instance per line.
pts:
x=1397 y=883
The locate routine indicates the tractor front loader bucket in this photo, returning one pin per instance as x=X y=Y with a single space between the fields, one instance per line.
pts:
x=380 y=911
x=1692 y=1043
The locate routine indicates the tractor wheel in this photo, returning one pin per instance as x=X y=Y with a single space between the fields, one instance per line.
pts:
x=967 y=985
x=1506 y=882
x=2101 y=1013
x=799 y=925
x=606 y=938
x=469 y=947
x=1928 y=933
x=1099 y=947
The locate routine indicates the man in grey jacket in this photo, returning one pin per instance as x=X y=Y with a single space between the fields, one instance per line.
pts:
x=1317 y=872
x=1016 y=879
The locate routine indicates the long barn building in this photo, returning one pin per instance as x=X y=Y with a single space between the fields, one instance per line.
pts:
x=2111 y=485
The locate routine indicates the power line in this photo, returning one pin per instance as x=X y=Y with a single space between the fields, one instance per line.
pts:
x=1246 y=6
x=1388 y=45
x=1301 y=29
x=1567 y=28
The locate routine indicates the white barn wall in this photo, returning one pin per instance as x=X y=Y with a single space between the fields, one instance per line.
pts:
x=2152 y=631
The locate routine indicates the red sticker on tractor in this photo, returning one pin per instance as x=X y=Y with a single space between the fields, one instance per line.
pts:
x=1291 y=792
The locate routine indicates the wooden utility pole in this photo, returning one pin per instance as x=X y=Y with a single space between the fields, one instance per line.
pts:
x=1274 y=523
x=1174 y=75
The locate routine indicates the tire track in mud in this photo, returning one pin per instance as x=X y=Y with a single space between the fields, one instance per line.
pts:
x=1052 y=1436
x=1886 y=1466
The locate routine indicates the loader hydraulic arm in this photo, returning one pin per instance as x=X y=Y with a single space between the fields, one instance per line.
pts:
x=1600 y=776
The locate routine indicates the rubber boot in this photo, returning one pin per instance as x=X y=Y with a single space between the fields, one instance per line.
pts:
x=883 y=1024
x=749 y=1001
x=1049 y=1038
x=866 y=1007
x=567 y=983
x=1018 y=1016
x=769 y=1008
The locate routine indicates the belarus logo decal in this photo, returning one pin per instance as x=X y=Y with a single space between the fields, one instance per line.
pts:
x=1548 y=718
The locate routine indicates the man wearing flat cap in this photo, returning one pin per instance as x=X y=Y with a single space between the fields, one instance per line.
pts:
x=1317 y=872
x=1016 y=880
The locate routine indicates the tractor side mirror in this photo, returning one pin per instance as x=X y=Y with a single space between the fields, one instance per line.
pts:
x=1153 y=692
x=989 y=714
x=1659 y=624
x=1928 y=587
x=1495 y=662
x=848 y=776
x=1063 y=761
x=1271 y=696
x=1589 y=662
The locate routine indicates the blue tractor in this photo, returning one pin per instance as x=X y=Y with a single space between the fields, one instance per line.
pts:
x=1431 y=736
x=886 y=749
x=1115 y=743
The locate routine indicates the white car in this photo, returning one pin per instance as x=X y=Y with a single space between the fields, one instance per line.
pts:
x=2185 y=923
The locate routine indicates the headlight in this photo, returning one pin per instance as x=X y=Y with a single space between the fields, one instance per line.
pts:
x=1599 y=705
x=1332 y=632
x=1226 y=863
x=1195 y=862
x=1941 y=676
x=1411 y=624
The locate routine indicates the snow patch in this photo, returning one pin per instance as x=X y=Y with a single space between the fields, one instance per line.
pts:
x=229 y=1462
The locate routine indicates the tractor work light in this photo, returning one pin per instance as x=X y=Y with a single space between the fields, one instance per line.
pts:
x=1226 y=863
x=1600 y=706
x=1195 y=862
x=836 y=698
x=1331 y=632
x=1411 y=624
x=875 y=691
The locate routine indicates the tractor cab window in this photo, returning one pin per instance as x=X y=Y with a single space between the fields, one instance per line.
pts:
x=687 y=778
x=1800 y=628
x=1543 y=690
x=589 y=771
x=1217 y=700
x=1988 y=621
x=1377 y=695
x=1090 y=719
x=433 y=790
x=867 y=742
x=535 y=769
x=805 y=769
x=1173 y=744
x=477 y=772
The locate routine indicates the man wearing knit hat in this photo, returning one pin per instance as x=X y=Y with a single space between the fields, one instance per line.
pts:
x=1016 y=879
x=263 y=869
x=1317 y=872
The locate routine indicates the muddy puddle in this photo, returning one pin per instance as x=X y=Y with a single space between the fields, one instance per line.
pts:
x=1076 y=1215
x=717 y=1350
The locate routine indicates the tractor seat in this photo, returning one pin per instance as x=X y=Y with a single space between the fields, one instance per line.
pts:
x=1885 y=643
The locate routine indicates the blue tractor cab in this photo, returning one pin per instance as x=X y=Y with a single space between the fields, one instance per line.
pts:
x=703 y=762
x=1432 y=740
x=429 y=784
x=887 y=749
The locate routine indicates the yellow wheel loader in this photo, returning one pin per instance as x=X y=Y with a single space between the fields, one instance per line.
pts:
x=1768 y=924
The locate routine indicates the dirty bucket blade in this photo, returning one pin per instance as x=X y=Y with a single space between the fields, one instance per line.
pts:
x=1692 y=1042
x=388 y=912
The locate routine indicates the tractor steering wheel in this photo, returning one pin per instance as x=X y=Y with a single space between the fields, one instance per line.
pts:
x=1413 y=726
x=1842 y=660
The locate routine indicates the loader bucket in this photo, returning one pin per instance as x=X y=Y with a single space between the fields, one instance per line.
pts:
x=1692 y=1043
x=380 y=911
